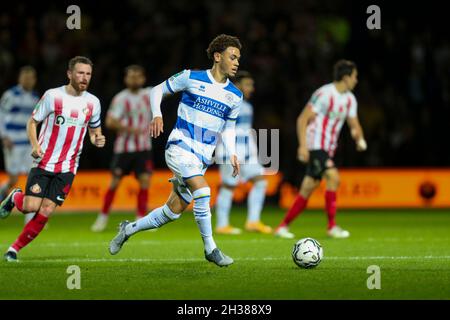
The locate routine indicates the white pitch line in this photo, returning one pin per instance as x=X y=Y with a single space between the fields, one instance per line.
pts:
x=388 y=257
x=160 y=242
x=236 y=259
x=142 y=242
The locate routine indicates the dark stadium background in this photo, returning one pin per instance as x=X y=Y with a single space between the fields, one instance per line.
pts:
x=289 y=46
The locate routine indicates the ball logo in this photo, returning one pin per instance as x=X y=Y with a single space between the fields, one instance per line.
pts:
x=35 y=188
x=60 y=120
x=86 y=111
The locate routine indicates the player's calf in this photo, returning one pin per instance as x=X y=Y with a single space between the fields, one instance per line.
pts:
x=29 y=233
x=155 y=219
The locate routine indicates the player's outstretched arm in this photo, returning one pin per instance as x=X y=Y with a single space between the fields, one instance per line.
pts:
x=97 y=138
x=157 y=124
x=176 y=83
x=357 y=133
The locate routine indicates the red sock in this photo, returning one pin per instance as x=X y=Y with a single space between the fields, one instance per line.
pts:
x=297 y=208
x=30 y=231
x=109 y=197
x=330 y=206
x=142 y=202
x=18 y=201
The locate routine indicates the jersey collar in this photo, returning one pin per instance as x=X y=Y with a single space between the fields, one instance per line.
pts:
x=210 y=76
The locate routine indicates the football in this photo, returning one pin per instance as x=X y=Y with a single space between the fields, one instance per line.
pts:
x=307 y=253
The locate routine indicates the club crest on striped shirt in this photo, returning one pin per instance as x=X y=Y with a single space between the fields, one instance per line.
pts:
x=229 y=97
x=60 y=120
x=35 y=188
x=86 y=111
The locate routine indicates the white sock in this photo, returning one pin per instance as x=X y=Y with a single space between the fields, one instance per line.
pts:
x=102 y=217
x=202 y=214
x=255 y=200
x=155 y=219
x=223 y=206
x=12 y=249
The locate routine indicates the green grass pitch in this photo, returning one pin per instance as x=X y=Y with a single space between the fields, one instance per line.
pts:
x=412 y=249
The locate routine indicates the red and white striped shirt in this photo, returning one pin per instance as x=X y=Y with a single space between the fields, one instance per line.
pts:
x=332 y=109
x=66 y=118
x=132 y=110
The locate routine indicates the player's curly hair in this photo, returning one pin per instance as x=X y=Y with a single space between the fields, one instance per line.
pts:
x=343 y=68
x=221 y=43
x=79 y=59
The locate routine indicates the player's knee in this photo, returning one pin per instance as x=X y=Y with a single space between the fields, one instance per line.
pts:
x=30 y=205
x=334 y=181
x=307 y=189
x=201 y=202
x=47 y=208
x=115 y=182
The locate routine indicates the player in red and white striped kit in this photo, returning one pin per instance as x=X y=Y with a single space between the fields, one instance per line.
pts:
x=318 y=128
x=130 y=116
x=66 y=113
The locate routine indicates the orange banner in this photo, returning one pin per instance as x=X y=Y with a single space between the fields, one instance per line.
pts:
x=378 y=188
x=89 y=188
x=382 y=188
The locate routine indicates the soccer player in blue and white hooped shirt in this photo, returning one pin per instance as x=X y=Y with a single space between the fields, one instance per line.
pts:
x=207 y=111
x=16 y=106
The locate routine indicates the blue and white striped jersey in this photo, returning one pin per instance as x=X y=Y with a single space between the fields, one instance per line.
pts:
x=204 y=110
x=16 y=106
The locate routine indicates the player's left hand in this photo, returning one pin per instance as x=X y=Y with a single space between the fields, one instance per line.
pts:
x=236 y=165
x=361 y=145
x=156 y=127
x=98 y=140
